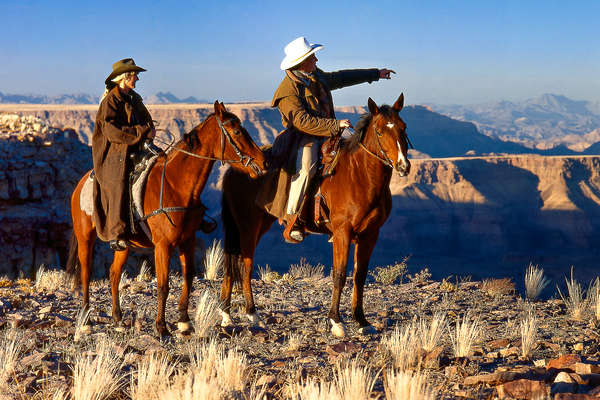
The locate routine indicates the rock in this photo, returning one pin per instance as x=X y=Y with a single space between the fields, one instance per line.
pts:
x=564 y=383
x=498 y=344
x=586 y=368
x=567 y=361
x=32 y=360
x=266 y=380
x=343 y=348
x=523 y=389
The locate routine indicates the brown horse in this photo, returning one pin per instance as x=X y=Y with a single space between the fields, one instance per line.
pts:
x=178 y=186
x=358 y=196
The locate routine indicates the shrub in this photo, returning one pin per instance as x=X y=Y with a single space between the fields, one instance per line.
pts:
x=389 y=274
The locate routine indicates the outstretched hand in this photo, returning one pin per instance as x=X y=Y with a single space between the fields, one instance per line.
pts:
x=385 y=73
x=345 y=123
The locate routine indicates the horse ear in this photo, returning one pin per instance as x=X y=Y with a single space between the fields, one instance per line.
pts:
x=399 y=103
x=219 y=108
x=373 y=109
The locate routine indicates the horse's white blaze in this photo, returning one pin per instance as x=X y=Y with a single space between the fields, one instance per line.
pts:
x=253 y=318
x=337 y=329
x=400 y=154
x=226 y=319
x=390 y=125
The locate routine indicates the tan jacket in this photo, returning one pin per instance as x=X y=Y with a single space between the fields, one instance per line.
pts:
x=303 y=112
x=122 y=122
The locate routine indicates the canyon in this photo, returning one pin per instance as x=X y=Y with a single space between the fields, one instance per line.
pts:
x=472 y=204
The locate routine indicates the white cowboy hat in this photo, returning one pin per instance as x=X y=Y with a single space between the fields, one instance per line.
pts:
x=297 y=51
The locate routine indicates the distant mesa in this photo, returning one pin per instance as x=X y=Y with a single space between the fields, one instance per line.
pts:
x=82 y=98
x=168 y=98
x=544 y=122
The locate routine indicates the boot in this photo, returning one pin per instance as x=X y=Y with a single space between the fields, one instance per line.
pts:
x=117 y=244
x=294 y=230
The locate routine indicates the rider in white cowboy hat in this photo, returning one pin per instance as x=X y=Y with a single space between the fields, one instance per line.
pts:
x=306 y=106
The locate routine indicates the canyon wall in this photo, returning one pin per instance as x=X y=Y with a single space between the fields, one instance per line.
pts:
x=479 y=216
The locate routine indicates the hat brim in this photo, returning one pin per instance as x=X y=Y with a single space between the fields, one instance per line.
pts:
x=122 y=70
x=288 y=63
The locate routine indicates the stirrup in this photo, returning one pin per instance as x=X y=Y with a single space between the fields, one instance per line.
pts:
x=292 y=233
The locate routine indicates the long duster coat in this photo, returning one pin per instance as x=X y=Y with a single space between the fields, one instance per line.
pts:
x=122 y=122
x=303 y=111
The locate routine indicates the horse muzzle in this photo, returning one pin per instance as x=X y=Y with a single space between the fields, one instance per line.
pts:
x=402 y=168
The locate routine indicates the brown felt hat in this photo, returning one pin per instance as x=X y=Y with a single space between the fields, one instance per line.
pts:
x=122 y=66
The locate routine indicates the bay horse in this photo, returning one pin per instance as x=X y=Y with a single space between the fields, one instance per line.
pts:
x=358 y=195
x=176 y=188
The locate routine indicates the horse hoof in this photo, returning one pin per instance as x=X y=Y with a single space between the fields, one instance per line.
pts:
x=367 y=330
x=184 y=326
x=226 y=319
x=337 y=329
x=253 y=318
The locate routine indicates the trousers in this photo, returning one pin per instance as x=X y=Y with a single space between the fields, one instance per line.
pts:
x=306 y=167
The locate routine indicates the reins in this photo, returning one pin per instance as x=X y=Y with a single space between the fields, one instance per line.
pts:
x=224 y=134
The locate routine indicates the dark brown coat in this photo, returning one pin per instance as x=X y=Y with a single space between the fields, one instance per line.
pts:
x=302 y=113
x=122 y=122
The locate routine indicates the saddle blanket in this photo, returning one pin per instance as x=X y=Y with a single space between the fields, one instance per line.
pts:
x=86 y=198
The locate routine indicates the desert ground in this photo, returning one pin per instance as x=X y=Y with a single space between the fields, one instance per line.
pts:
x=454 y=338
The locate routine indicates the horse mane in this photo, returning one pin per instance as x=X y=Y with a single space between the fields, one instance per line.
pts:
x=191 y=138
x=361 y=127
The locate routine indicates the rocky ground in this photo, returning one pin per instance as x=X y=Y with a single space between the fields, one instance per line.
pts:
x=293 y=341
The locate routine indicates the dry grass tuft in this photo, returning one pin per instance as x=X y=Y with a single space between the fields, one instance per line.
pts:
x=467 y=332
x=152 y=376
x=99 y=376
x=594 y=297
x=267 y=275
x=11 y=346
x=528 y=328
x=82 y=326
x=534 y=281
x=213 y=261
x=404 y=385
x=305 y=270
x=402 y=346
x=191 y=386
x=295 y=342
x=431 y=332
x=498 y=287
x=145 y=274
x=354 y=381
x=225 y=368
x=207 y=314
x=50 y=279
x=575 y=300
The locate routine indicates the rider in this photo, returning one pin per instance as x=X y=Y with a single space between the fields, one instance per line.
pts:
x=123 y=125
x=306 y=106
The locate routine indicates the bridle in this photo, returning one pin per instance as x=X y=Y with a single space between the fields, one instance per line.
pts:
x=384 y=158
x=245 y=160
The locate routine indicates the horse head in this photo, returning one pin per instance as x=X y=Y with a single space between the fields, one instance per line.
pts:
x=237 y=145
x=390 y=135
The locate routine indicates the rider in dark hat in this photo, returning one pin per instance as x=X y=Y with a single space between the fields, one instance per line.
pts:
x=122 y=124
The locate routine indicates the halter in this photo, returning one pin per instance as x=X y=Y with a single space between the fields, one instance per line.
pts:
x=385 y=159
x=224 y=134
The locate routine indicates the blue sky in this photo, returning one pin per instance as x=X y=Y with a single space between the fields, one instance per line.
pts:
x=443 y=51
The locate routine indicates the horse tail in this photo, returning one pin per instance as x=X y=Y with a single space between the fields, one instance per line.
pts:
x=73 y=266
x=232 y=245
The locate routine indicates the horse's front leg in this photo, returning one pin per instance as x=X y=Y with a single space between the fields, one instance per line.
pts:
x=362 y=254
x=162 y=255
x=116 y=268
x=186 y=258
x=247 y=289
x=341 y=244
